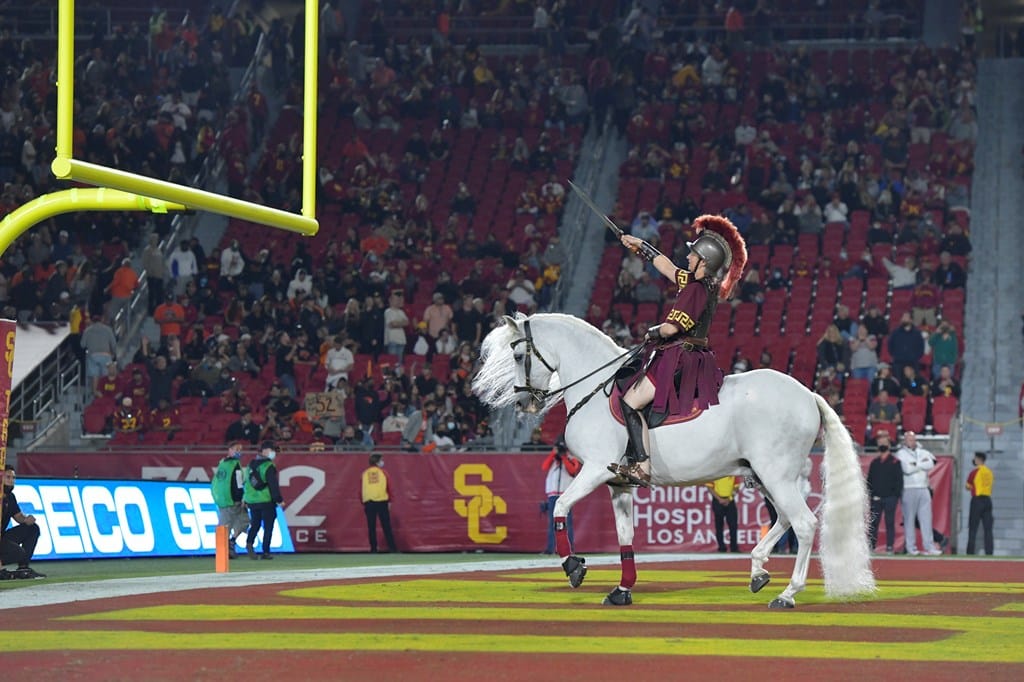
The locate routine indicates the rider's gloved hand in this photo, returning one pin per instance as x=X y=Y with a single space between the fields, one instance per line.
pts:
x=654 y=334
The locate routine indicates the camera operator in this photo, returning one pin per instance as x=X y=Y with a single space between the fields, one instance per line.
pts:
x=560 y=467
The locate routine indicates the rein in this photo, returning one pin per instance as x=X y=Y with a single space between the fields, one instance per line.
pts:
x=541 y=395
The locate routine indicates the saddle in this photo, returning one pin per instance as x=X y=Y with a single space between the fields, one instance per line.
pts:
x=653 y=419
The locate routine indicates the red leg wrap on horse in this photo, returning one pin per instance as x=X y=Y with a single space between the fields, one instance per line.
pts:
x=628 y=566
x=562 y=537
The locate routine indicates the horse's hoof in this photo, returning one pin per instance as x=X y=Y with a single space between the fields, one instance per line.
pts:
x=618 y=597
x=780 y=603
x=575 y=568
x=759 y=581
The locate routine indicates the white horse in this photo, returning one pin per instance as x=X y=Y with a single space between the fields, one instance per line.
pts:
x=764 y=426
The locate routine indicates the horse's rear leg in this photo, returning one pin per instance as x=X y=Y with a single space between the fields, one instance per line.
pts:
x=622 y=506
x=804 y=523
x=759 y=577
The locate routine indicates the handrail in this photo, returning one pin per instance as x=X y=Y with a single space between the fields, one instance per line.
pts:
x=576 y=215
x=38 y=395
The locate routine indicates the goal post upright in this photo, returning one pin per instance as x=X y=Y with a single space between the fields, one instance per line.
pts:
x=66 y=167
x=310 y=73
x=117 y=190
x=65 y=79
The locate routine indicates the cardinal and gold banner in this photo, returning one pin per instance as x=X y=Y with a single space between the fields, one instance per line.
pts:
x=7 y=329
x=449 y=502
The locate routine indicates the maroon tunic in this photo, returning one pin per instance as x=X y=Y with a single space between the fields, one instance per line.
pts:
x=700 y=376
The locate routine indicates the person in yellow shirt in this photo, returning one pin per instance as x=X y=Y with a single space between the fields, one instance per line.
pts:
x=723 y=504
x=376 y=498
x=979 y=482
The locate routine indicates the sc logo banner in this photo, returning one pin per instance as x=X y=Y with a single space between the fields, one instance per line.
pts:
x=482 y=502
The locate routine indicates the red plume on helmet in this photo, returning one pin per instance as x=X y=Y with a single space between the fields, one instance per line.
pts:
x=738 y=247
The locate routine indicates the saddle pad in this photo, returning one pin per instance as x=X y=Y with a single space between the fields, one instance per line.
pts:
x=616 y=408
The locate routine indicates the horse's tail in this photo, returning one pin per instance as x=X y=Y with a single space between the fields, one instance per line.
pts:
x=845 y=555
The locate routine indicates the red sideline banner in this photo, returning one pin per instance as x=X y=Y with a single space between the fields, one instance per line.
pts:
x=8 y=329
x=460 y=502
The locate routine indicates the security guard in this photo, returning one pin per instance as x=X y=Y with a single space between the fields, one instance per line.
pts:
x=262 y=495
x=376 y=498
x=227 y=486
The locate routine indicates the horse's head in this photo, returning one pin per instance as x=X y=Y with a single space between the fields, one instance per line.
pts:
x=533 y=371
x=514 y=371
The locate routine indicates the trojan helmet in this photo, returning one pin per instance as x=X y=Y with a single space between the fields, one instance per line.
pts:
x=713 y=250
x=722 y=247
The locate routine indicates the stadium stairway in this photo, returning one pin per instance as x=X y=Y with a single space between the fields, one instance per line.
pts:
x=583 y=235
x=598 y=175
x=994 y=366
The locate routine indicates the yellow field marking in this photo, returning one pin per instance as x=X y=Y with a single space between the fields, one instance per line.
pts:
x=230 y=613
x=687 y=589
x=966 y=647
x=544 y=598
x=1012 y=606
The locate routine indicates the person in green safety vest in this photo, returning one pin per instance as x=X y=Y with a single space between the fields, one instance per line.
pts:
x=262 y=496
x=228 y=487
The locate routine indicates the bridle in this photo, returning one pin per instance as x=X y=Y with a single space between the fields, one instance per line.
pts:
x=540 y=395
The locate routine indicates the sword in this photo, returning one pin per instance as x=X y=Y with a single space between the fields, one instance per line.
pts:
x=585 y=198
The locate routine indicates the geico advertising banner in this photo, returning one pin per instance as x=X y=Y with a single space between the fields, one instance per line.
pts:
x=81 y=519
x=459 y=502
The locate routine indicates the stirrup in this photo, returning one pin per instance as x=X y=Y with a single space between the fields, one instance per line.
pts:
x=631 y=474
x=619 y=479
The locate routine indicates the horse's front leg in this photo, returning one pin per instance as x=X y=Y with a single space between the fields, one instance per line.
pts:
x=589 y=478
x=622 y=506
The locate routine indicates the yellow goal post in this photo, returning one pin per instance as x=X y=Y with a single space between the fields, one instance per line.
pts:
x=66 y=167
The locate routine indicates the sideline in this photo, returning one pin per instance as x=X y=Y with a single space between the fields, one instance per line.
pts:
x=42 y=594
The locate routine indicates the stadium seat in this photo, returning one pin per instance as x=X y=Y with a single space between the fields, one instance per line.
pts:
x=857 y=423
x=914 y=411
x=887 y=427
x=944 y=408
x=95 y=416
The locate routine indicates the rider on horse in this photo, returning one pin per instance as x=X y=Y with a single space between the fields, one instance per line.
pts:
x=679 y=345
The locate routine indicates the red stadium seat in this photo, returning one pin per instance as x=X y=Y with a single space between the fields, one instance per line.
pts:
x=857 y=424
x=914 y=411
x=888 y=427
x=95 y=416
x=857 y=388
x=944 y=408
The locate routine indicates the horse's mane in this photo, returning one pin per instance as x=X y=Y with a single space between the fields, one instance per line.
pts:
x=493 y=384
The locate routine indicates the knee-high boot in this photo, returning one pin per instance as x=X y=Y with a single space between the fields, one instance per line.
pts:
x=635 y=431
x=634 y=473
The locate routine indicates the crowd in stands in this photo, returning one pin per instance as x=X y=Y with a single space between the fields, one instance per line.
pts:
x=847 y=171
x=150 y=99
x=367 y=334
x=842 y=168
